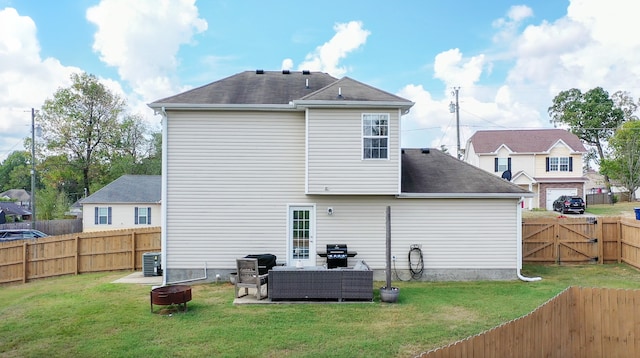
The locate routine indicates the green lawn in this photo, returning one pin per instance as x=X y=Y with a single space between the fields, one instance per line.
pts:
x=621 y=209
x=88 y=316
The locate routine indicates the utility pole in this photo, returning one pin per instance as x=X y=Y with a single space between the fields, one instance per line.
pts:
x=33 y=169
x=456 y=107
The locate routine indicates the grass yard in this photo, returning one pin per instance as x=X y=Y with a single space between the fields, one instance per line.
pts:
x=621 y=209
x=88 y=316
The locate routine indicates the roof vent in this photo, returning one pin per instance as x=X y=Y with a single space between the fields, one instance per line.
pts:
x=306 y=72
x=425 y=150
x=286 y=72
x=339 y=92
x=259 y=72
x=306 y=83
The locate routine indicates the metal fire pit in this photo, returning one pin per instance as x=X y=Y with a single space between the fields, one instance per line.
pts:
x=170 y=295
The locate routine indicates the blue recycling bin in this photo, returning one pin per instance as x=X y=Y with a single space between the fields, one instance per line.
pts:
x=637 y=210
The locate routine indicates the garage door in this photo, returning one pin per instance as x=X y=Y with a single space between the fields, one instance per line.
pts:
x=553 y=194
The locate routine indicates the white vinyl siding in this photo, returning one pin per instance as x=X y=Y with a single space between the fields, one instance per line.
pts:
x=230 y=177
x=122 y=216
x=335 y=155
x=233 y=175
x=484 y=239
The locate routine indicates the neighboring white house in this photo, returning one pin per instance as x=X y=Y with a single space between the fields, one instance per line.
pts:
x=128 y=202
x=547 y=162
x=288 y=162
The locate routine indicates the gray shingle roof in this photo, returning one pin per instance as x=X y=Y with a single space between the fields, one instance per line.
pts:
x=16 y=194
x=524 y=141
x=434 y=172
x=279 y=88
x=14 y=209
x=129 y=189
x=348 y=89
x=249 y=87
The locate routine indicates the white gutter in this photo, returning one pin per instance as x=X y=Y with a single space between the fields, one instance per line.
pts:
x=163 y=206
x=519 y=245
x=462 y=195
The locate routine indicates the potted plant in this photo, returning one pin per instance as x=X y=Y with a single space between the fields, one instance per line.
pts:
x=388 y=293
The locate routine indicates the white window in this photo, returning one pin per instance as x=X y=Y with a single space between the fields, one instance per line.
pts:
x=503 y=164
x=103 y=215
x=142 y=216
x=375 y=136
x=559 y=164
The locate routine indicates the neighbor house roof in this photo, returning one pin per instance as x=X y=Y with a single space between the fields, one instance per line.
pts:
x=434 y=173
x=16 y=194
x=13 y=209
x=283 y=89
x=524 y=141
x=128 y=189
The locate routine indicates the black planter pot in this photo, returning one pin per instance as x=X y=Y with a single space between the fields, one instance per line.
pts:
x=389 y=295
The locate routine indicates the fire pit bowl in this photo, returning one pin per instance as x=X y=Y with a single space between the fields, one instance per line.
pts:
x=170 y=295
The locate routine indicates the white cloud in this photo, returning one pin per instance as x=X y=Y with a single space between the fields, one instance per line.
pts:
x=508 y=26
x=349 y=37
x=142 y=39
x=287 y=64
x=26 y=80
x=453 y=70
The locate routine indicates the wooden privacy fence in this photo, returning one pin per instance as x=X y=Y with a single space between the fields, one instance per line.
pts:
x=578 y=322
x=581 y=240
x=50 y=227
x=23 y=260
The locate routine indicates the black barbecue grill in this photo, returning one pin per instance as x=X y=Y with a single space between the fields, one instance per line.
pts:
x=337 y=255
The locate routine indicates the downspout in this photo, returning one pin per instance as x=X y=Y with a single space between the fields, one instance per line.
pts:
x=519 y=245
x=163 y=198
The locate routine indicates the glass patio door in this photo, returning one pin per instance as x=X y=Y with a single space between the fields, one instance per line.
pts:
x=301 y=245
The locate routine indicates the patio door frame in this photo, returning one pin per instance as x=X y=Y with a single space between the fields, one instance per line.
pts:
x=310 y=260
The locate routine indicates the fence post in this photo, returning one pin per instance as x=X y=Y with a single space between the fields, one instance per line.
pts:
x=25 y=262
x=619 y=240
x=77 y=254
x=133 y=250
x=556 y=239
x=600 y=238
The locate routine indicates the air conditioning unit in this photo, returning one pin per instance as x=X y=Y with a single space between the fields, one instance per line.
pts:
x=152 y=264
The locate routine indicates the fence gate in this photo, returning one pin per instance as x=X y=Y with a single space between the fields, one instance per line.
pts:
x=560 y=241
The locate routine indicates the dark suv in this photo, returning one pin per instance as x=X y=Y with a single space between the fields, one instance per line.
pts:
x=569 y=204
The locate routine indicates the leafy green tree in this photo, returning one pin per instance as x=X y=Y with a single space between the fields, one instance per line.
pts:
x=592 y=116
x=51 y=204
x=80 y=122
x=624 y=166
x=15 y=171
x=58 y=173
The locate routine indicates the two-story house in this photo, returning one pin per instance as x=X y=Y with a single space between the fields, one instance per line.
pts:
x=547 y=162
x=287 y=163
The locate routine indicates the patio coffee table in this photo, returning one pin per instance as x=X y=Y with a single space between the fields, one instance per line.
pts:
x=320 y=283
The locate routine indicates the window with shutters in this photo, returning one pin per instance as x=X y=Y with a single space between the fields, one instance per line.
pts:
x=502 y=164
x=102 y=215
x=142 y=216
x=559 y=164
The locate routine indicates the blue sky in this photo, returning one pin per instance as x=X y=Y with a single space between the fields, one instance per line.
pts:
x=509 y=58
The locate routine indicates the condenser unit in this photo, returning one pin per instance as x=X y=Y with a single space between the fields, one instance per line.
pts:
x=152 y=264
